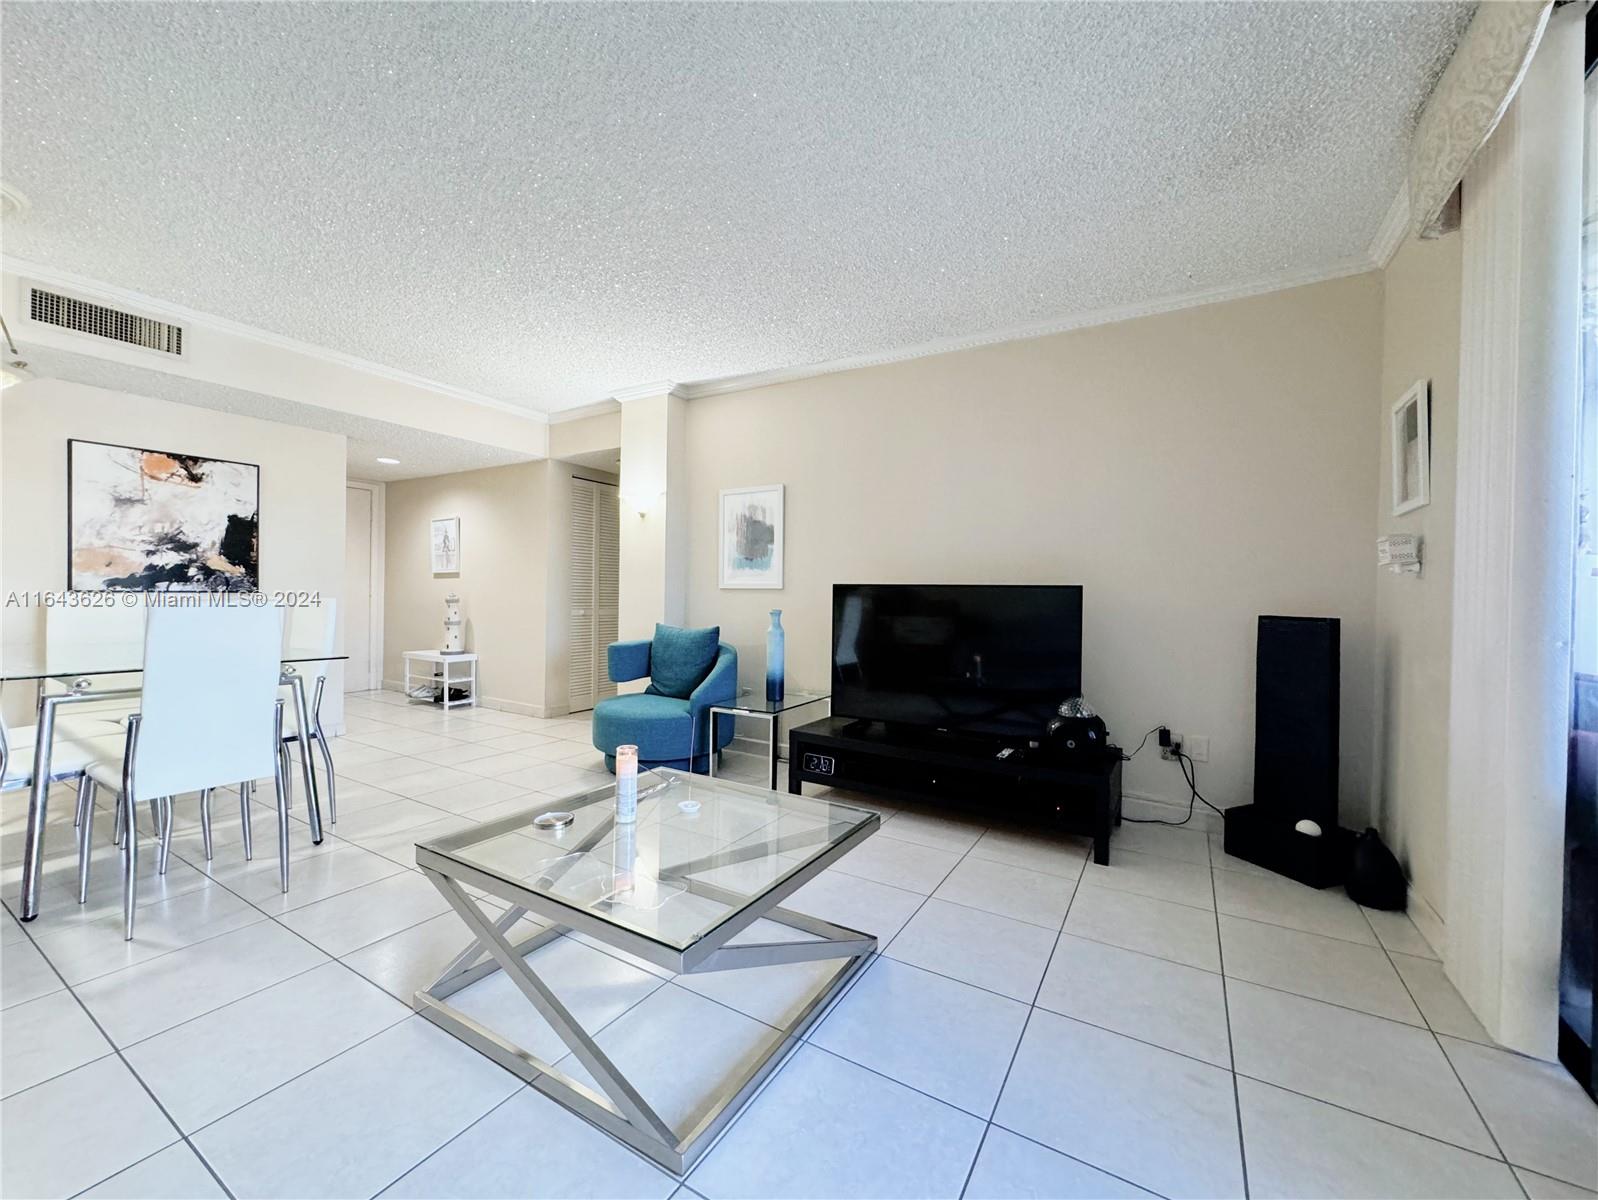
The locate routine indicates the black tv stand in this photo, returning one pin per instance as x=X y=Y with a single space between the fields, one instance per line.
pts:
x=990 y=777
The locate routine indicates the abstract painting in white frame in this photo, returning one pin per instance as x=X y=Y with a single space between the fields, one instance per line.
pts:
x=751 y=537
x=1412 y=448
x=446 y=545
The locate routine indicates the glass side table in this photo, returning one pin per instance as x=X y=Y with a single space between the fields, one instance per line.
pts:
x=754 y=704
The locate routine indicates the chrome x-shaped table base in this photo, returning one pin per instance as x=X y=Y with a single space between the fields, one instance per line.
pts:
x=618 y=1108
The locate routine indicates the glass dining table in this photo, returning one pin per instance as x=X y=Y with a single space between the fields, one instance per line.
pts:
x=79 y=668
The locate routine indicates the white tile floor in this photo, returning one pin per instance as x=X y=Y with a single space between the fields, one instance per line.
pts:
x=1177 y=1023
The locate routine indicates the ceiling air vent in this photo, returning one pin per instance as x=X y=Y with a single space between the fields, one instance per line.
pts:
x=51 y=308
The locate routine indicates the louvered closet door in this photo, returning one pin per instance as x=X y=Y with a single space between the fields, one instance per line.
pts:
x=595 y=568
x=582 y=641
x=607 y=581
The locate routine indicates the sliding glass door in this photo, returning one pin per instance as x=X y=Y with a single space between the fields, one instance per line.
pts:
x=1579 y=956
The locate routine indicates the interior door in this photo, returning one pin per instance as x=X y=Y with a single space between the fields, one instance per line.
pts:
x=358 y=589
x=595 y=571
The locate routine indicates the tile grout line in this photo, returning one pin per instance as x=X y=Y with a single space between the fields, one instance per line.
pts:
x=1226 y=1009
x=821 y=1017
x=377 y=1033
x=139 y=1079
x=1026 y=1024
x=186 y=1138
x=1420 y=1133
x=1441 y=1049
x=456 y=1136
x=528 y=1085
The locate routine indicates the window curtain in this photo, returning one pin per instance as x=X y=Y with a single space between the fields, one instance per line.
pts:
x=1470 y=99
x=1513 y=544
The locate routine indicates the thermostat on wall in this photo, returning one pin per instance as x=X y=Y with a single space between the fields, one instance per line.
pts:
x=1399 y=553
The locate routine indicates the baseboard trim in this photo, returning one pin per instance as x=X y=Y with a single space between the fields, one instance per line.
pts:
x=518 y=707
x=1428 y=920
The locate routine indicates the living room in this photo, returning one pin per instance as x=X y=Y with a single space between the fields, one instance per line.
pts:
x=688 y=500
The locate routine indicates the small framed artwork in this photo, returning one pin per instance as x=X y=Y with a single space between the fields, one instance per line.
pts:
x=751 y=537
x=446 y=545
x=1412 y=448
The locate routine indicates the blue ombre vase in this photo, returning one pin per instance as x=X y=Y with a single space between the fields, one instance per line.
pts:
x=775 y=638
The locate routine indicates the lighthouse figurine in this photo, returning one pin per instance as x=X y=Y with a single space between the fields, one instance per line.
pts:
x=454 y=627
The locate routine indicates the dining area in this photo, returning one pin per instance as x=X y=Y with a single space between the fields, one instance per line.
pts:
x=158 y=701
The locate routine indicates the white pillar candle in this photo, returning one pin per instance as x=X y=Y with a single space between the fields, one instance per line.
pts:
x=626 y=783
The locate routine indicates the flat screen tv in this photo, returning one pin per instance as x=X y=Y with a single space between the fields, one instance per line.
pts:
x=988 y=659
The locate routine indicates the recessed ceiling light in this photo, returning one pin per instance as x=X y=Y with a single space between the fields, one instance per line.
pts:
x=389 y=462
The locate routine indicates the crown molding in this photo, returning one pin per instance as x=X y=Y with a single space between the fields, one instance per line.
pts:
x=643 y=391
x=1390 y=234
x=597 y=409
x=1014 y=333
x=127 y=298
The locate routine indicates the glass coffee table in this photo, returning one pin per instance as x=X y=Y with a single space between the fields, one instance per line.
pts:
x=704 y=860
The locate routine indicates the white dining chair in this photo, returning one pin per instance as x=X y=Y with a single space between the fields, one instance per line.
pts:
x=82 y=639
x=69 y=759
x=209 y=717
x=310 y=629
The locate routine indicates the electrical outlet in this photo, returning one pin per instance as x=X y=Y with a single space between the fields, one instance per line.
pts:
x=1170 y=749
x=1197 y=746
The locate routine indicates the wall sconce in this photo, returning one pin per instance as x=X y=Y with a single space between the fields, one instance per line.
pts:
x=14 y=369
x=641 y=504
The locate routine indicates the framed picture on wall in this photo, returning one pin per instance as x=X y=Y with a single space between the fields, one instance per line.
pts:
x=750 y=544
x=1412 y=448
x=446 y=547
x=155 y=520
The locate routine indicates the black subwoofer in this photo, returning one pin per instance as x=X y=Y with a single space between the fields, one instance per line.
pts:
x=1296 y=699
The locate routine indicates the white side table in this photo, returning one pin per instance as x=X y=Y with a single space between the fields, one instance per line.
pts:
x=438 y=673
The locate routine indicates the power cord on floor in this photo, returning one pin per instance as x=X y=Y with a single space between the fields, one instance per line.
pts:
x=1189 y=773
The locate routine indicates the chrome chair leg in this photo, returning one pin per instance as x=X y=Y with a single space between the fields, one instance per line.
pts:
x=130 y=827
x=130 y=867
x=85 y=834
x=327 y=755
x=286 y=774
x=205 y=821
x=245 y=790
x=166 y=835
x=282 y=789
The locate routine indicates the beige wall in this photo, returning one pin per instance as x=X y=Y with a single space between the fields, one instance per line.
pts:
x=602 y=431
x=501 y=582
x=1193 y=470
x=1420 y=340
x=302 y=493
x=654 y=547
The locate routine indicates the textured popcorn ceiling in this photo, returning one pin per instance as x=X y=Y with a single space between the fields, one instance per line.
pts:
x=544 y=203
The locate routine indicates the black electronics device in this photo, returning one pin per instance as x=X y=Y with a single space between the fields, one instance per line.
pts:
x=1072 y=738
x=1296 y=698
x=1082 y=795
x=984 y=660
x=946 y=693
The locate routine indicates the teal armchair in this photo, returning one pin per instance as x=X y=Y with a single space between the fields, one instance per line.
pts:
x=689 y=670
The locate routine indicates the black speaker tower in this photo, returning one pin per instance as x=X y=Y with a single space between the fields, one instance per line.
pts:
x=1296 y=696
